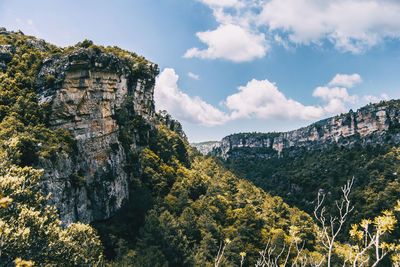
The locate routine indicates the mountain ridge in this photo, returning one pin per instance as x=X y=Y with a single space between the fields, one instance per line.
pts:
x=377 y=123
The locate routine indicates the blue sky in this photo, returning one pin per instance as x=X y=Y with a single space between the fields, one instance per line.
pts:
x=239 y=65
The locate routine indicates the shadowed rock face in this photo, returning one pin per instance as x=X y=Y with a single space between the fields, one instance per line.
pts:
x=84 y=91
x=373 y=124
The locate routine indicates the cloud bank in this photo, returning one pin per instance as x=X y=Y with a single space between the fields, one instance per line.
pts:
x=168 y=96
x=247 y=27
x=258 y=99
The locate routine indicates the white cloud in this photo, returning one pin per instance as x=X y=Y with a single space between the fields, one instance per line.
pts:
x=263 y=100
x=333 y=107
x=349 y=25
x=345 y=80
x=168 y=97
x=230 y=42
x=193 y=76
x=280 y=41
x=327 y=93
x=385 y=96
x=260 y=99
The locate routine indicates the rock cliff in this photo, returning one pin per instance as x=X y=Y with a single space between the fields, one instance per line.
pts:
x=372 y=124
x=206 y=147
x=84 y=90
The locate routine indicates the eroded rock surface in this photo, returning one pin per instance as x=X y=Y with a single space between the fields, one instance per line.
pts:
x=84 y=91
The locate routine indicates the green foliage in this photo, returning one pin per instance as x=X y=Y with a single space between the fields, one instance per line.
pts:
x=24 y=135
x=182 y=206
x=85 y=43
x=50 y=81
x=30 y=229
x=24 y=145
x=169 y=146
x=393 y=103
x=253 y=135
x=298 y=179
x=162 y=234
x=77 y=179
x=140 y=67
x=195 y=205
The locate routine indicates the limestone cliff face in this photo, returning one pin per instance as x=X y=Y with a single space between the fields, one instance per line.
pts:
x=84 y=91
x=372 y=124
x=207 y=147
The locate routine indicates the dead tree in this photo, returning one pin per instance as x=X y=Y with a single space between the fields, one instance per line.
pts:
x=329 y=230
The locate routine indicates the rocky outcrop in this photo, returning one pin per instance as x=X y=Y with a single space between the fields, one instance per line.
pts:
x=84 y=90
x=372 y=124
x=173 y=125
x=206 y=147
x=6 y=54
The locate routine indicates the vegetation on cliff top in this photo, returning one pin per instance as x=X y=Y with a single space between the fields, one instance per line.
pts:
x=24 y=131
x=181 y=213
x=254 y=135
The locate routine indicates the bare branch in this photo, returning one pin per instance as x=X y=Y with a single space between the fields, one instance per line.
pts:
x=330 y=232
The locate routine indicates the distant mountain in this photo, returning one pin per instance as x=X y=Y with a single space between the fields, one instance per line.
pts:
x=373 y=124
x=206 y=147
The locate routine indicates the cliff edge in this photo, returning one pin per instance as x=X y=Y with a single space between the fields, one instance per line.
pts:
x=373 y=124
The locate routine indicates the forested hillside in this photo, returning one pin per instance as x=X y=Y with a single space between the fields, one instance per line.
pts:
x=321 y=157
x=31 y=233
x=192 y=205
x=91 y=175
x=298 y=179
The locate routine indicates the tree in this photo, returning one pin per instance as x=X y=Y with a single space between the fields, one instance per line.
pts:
x=162 y=235
x=370 y=237
x=30 y=230
x=329 y=231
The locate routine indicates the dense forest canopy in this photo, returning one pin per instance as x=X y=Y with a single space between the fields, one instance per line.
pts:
x=298 y=179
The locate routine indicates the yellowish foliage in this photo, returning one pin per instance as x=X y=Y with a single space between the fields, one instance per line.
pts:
x=23 y=263
x=30 y=229
x=5 y=201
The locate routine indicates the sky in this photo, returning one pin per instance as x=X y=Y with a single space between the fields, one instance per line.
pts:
x=229 y=66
